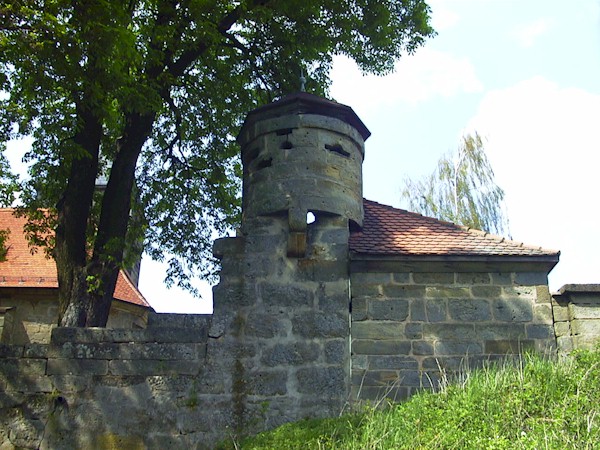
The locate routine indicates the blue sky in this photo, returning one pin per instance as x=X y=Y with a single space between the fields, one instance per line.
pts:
x=524 y=74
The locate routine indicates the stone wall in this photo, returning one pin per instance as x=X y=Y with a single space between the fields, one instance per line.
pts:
x=411 y=329
x=30 y=314
x=109 y=389
x=283 y=323
x=577 y=317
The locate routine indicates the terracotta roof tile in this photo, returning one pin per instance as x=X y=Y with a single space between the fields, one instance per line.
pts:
x=30 y=268
x=391 y=231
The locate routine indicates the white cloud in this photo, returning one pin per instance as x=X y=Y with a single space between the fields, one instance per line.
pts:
x=425 y=75
x=442 y=18
x=544 y=145
x=527 y=34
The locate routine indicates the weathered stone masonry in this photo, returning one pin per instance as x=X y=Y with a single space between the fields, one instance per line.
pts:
x=411 y=328
x=304 y=324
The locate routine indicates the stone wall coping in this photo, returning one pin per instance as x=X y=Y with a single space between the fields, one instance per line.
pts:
x=579 y=288
x=435 y=263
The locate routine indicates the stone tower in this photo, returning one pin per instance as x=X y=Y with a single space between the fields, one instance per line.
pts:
x=281 y=310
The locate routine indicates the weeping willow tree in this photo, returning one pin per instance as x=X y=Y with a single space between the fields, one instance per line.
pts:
x=462 y=189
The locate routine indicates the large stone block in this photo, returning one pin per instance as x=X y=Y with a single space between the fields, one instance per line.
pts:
x=403 y=291
x=543 y=294
x=377 y=330
x=589 y=311
x=374 y=377
x=378 y=394
x=233 y=295
x=323 y=381
x=147 y=367
x=380 y=347
x=561 y=313
x=458 y=348
x=542 y=313
x=267 y=383
x=436 y=310
x=586 y=342
x=366 y=290
x=513 y=310
x=314 y=324
x=194 y=322
x=57 y=366
x=509 y=346
x=81 y=335
x=324 y=270
x=447 y=292
x=486 y=292
x=390 y=362
x=336 y=351
x=531 y=278
x=333 y=297
x=15 y=367
x=422 y=348
x=519 y=292
x=473 y=278
x=264 y=325
x=428 y=278
x=26 y=383
x=452 y=364
x=502 y=279
x=388 y=309
x=585 y=327
x=449 y=331
x=359 y=309
x=292 y=354
x=469 y=310
x=370 y=278
x=413 y=331
x=11 y=351
x=565 y=344
x=494 y=331
x=286 y=294
x=562 y=328
x=417 y=311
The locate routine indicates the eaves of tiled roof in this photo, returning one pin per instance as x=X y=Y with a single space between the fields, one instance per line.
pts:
x=389 y=231
x=26 y=267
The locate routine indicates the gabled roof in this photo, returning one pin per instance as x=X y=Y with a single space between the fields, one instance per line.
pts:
x=26 y=267
x=389 y=231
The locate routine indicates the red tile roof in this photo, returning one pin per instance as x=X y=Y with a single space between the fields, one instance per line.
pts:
x=26 y=267
x=396 y=232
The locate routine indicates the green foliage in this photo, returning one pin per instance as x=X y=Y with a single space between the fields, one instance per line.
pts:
x=536 y=403
x=166 y=85
x=462 y=190
x=9 y=186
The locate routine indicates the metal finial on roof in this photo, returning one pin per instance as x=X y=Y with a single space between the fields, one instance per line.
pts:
x=302 y=81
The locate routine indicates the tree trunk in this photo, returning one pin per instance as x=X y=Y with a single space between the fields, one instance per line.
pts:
x=114 y=217
x=73 y=213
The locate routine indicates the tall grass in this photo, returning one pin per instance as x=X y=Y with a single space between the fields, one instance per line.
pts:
x=533 y=404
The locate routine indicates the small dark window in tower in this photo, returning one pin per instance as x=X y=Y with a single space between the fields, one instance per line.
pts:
x=286 y=145
x=264 y=164
x=337 y=148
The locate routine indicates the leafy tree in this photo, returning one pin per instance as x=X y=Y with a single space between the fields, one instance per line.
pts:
x=9 y=187
x=149 y=94
x=462 y=190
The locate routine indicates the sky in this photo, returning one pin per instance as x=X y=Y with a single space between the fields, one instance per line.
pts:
x=524 y=74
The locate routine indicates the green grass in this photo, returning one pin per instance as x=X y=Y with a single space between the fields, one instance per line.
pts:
x=535 y=404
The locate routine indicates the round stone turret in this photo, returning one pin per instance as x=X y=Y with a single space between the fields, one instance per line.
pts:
x=303 y=153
